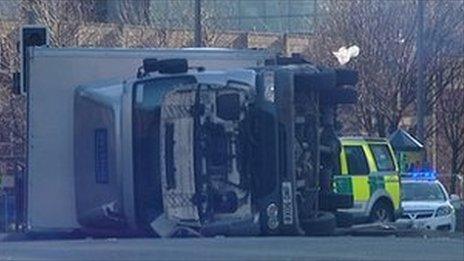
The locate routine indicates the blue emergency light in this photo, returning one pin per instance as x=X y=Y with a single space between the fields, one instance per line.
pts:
x=421 y=175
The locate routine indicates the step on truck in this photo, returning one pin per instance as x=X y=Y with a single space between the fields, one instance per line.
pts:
x=182 y=142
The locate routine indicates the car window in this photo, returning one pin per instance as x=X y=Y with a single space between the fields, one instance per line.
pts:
x=422 y=191
x=356 y=160
x=383 y=157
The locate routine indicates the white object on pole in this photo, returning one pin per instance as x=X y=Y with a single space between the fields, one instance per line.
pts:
x=345 y=54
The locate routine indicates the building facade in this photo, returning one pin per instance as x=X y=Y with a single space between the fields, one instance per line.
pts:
x=275 y=16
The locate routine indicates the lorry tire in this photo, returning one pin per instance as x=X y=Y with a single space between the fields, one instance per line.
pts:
x=322 y=225
x=381 y=212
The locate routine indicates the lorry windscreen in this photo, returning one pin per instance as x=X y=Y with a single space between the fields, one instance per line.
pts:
x=146 y=99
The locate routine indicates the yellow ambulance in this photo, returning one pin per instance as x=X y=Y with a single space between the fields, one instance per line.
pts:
x=370 y=173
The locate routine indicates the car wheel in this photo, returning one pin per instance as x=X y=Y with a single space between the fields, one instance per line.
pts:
x=381 y=213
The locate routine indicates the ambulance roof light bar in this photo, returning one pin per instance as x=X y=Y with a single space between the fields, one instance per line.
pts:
x=420 y=175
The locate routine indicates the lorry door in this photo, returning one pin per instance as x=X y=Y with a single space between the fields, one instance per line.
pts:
x=385 y=173
x=355 y=174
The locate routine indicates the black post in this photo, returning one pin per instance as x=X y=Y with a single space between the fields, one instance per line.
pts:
x=420 y=93
x=198 y=32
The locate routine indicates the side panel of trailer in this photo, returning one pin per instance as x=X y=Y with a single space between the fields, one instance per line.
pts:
x=53 y=76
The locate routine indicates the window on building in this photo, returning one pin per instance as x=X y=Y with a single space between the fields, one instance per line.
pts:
x=281 y=16
x=222 y=15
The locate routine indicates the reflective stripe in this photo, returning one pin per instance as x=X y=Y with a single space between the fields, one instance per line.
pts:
x=343 y=185
x=343 y=163
x=376 y=182
x=388 y=181
x=370 y=158
x=392 y=186
x=361 y=189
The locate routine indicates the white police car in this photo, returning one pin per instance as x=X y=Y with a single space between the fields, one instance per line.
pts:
x=426 y=203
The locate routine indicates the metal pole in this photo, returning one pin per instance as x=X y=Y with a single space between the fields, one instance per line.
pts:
x=420 y=93
x=5 y=214
x=198 y=32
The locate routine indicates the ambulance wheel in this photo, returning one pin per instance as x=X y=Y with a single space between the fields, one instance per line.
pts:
x=322 y=225
x=381 y=212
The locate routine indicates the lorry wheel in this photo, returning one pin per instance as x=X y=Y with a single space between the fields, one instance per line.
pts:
x=322 y=225
x=381 y=212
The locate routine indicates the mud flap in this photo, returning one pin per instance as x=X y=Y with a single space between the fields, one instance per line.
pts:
x=167 y=228
x=163 y=226
x=323 y=224
x=106 y=216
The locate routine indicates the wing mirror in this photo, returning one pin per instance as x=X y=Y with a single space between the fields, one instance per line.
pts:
x=454 y=197
x=455 y=201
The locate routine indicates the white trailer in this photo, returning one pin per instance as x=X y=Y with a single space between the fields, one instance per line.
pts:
x=51 y=78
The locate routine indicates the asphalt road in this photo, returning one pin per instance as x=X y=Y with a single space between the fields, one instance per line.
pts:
x=273 y=248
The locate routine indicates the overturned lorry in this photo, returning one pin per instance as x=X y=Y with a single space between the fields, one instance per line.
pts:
x=231 y=152
x=185 y=147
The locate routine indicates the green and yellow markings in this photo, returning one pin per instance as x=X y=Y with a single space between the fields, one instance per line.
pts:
x=362 y=191
x=353 y=185
x=362 y=187
x=376 y=182
x=343 y=185
x=392 y=186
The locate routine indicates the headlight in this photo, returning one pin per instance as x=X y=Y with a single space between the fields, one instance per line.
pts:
x=272 y=223
x=272 y=212
x=443 y=211
x=269 y=87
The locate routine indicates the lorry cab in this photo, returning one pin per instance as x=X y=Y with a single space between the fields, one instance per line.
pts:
x=165 y=148
x=369 y=172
